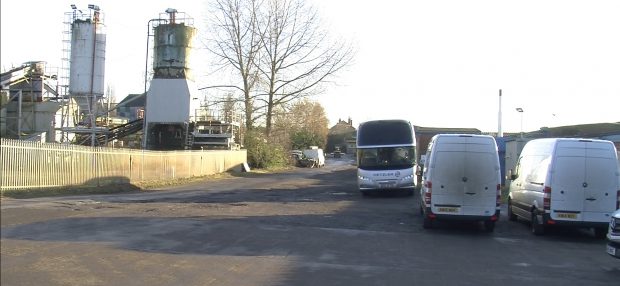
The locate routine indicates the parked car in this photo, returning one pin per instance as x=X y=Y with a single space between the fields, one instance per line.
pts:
x=613 y=235
x=296 y=154
x=565 y=181
x=461 y=180
x=337 y=154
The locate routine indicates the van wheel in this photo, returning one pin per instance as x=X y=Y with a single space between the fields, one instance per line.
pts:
x=427 y=223
x=489 y=226
x=511 y=215
x=600 y=232
x=537 y=227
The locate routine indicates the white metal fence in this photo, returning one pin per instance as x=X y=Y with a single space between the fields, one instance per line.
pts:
x=30 y=165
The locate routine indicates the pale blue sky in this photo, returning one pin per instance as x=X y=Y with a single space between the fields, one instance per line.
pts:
x=436 y=63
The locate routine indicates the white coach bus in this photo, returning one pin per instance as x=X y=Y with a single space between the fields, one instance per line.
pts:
x=386 y=156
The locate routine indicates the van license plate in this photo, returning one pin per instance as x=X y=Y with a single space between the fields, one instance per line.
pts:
x=567 y=215
x=447 y=210
x=611 y=250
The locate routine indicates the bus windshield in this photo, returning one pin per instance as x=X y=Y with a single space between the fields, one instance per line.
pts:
x=386 y=158
x=385 y=132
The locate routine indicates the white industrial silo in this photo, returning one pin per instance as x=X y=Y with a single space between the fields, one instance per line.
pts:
x=87 y=61
x=171 y=94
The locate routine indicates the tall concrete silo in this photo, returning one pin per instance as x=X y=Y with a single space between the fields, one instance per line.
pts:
x=171 y=94
x=87 y=62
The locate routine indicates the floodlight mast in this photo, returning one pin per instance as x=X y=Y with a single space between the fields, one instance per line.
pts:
x=520 y=110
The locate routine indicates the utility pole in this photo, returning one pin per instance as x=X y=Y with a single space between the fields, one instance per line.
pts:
x=500 y=133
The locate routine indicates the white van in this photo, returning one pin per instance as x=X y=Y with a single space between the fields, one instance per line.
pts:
x=317 y=154
x=461 y=180
x=565 y=181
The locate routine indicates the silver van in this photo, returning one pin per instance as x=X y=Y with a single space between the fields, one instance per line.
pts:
x=565 y=181
x=461 y=180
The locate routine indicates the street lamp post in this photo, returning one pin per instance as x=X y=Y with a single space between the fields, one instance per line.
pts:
x=520 y=110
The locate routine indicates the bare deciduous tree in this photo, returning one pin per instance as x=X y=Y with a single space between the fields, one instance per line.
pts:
x=278 y=50
x=296 y=55
x=236 y=44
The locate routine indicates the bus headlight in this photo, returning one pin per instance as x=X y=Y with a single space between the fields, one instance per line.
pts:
x=407 y=178
x=365 y=179
x=407 y=181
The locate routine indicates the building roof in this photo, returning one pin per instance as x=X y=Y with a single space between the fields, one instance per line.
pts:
x=342 y=127
x=442 y=130
x=582 y=130
x=133 y=100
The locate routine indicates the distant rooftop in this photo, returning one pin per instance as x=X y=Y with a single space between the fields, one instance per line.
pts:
x=449 y=130
x=582 y=130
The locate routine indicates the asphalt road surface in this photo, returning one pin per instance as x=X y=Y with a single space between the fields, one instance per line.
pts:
x=303 y=227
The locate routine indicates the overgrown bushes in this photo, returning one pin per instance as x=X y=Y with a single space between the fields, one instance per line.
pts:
x=263 y=153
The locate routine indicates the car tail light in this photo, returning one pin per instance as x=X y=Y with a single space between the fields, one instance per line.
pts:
x=547 y=198
x=498 y=200
x=427 y=194
x=427 y=197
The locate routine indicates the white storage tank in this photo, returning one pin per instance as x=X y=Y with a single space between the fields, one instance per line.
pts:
x=87 y=65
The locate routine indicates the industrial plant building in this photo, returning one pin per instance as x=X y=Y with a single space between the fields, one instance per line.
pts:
x=69 y=104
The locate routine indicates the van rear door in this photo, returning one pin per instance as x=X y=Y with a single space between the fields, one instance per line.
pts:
x=465 y=176
x=448 y=169
x=600 y=183
x=481 y=177
x=583 y=181
x=567 y=192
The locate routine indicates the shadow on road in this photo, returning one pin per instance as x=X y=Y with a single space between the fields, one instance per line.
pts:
x=374 y=240
x=102 y=185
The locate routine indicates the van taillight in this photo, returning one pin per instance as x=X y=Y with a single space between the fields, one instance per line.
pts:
x=427 y=194
x=498 y=200
x=547 y=198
